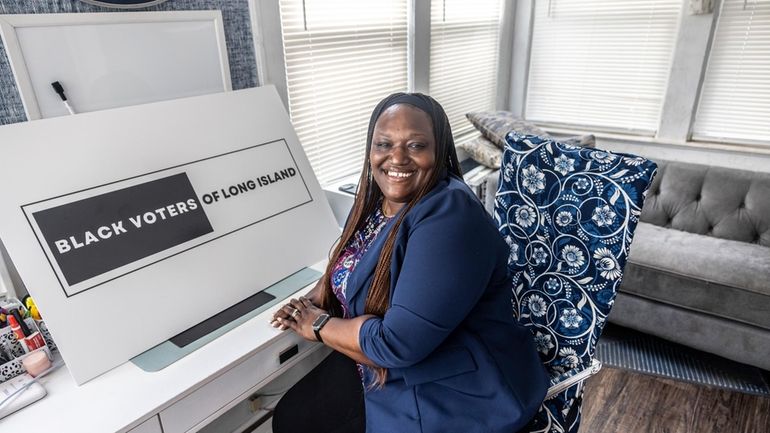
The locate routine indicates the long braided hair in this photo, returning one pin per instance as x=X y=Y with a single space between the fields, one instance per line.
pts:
x=369 y=196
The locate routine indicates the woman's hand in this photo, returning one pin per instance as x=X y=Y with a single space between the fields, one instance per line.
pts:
x=314 y=295
x=298 y=315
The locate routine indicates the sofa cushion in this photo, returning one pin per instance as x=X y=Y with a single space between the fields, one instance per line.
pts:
x=721 y=277
x=714 y=201
x=494 y=125
x=724 y=337
x=483 y=151
x=486 y=153
x=588 y=140
x=569 y=215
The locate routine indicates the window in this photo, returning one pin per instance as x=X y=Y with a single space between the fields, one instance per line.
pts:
x=601 y=64
x=342 y=57
x=735 y=98
x=464 y=47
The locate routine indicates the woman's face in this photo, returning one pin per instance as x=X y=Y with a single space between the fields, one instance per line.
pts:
x=403 y=154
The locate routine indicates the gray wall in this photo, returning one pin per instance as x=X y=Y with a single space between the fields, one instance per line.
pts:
x=238 y=36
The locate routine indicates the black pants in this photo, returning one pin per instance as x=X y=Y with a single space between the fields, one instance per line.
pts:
x=330 y=399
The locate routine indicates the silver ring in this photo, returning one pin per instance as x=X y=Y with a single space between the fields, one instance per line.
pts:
x=295 y=313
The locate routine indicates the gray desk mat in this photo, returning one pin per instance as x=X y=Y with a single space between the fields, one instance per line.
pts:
x=166 y=353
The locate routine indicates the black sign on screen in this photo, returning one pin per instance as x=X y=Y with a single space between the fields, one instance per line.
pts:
x=96 y=235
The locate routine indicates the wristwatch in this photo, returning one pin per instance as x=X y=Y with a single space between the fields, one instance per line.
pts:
x=318 y=324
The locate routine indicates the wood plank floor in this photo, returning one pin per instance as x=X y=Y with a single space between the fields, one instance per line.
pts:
x=621 y=401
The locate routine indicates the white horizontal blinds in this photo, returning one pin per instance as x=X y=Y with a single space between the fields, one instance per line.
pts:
x=735 y=99
x=342 y=57
x=464 y=50
x=602 y=64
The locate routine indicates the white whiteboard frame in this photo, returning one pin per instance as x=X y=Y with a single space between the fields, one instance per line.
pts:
x=9 y=24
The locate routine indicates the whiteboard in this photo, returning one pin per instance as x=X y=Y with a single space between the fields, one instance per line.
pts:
x=220 y=180
x=108 y=60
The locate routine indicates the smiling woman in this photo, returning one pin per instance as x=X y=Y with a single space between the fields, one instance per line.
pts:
x=403 y=155
x=417 y=293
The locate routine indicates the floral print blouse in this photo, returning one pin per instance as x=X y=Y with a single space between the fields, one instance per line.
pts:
x=352 y=254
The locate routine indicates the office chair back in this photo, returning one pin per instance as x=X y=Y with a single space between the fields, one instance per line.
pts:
x=569 y=215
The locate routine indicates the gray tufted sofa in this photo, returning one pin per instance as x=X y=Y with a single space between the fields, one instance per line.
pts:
x=699 y=269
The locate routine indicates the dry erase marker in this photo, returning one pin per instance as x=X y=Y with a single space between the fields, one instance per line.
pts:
x=57 y=87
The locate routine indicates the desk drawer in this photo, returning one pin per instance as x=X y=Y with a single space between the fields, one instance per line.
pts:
x=152 y=425
x=219 y=393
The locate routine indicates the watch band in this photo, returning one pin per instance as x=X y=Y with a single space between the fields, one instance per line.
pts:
x=318 y=335
x=319 y=323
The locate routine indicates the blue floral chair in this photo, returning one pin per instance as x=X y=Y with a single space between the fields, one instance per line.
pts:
x=569 y=216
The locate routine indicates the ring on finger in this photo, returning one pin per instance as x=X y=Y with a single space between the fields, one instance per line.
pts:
x=295 y=313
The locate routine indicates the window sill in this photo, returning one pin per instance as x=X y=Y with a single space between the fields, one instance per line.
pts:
x=640 y=139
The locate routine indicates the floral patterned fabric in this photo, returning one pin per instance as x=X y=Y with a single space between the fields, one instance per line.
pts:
x=352 y=254
x=569 y=215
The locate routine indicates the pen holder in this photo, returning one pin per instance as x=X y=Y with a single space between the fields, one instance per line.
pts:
x=9 y=343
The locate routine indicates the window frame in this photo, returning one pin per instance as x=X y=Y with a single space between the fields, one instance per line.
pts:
x=268 y=43
x=631 y=127
x=680 y=103
x=691 y=51
x=748 y=144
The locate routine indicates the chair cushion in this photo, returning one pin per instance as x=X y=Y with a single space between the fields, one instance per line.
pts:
x=569 y=215
x=720 y=277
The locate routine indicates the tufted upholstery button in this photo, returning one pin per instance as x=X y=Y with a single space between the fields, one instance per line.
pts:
x=697 y=197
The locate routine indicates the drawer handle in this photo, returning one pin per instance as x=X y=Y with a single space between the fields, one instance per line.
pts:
x=288 y=353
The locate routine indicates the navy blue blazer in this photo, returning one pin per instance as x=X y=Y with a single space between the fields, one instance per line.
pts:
x=457 y=360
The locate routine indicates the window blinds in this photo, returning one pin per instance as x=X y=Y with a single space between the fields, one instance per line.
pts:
x=601 y=64
x=464 y=46
x=342 y=57
x=735 y=98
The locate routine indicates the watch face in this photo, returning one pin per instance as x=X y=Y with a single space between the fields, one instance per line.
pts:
x=320 y=320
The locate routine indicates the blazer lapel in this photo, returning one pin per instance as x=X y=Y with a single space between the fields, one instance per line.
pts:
x=364 y=270
x=361 y=275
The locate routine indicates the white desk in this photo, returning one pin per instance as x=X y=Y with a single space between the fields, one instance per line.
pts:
x=182 y=397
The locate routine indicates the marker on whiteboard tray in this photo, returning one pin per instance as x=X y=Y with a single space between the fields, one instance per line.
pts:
x=60 y=90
